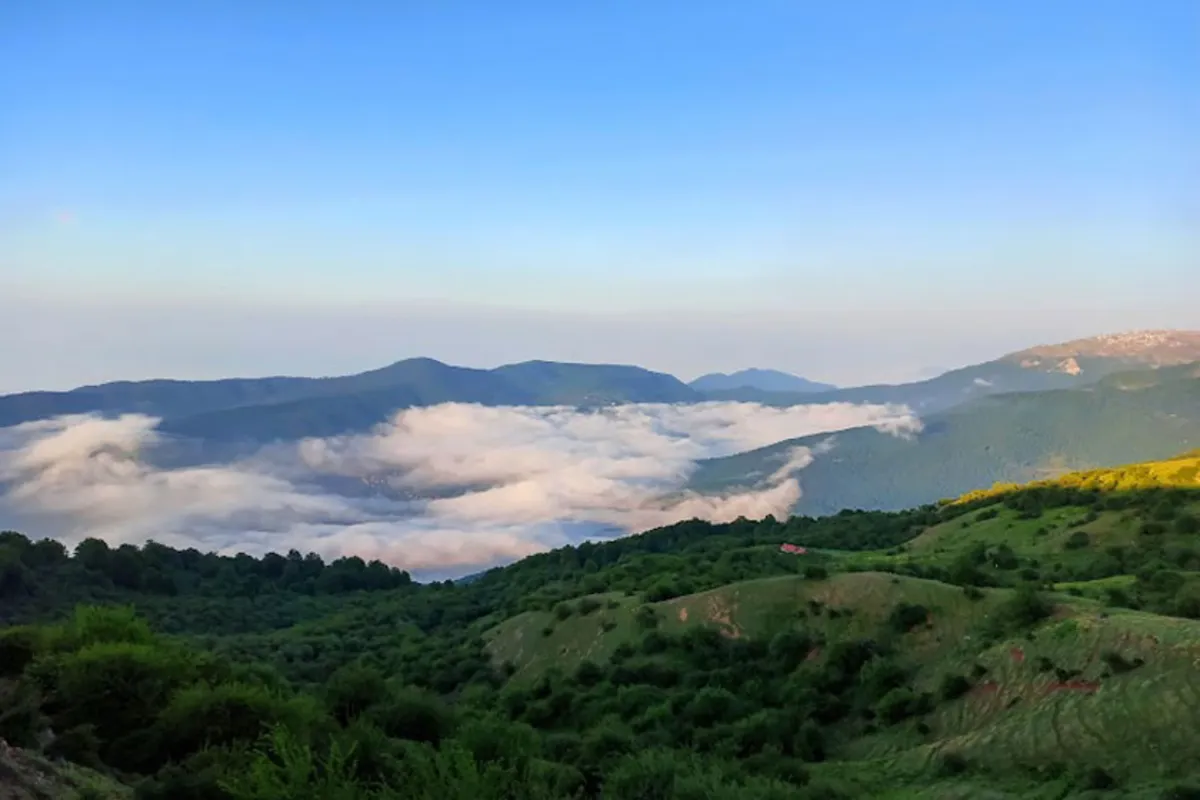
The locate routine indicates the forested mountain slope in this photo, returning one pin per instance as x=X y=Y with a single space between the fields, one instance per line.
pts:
x=1014 y=437
x=1023 y=641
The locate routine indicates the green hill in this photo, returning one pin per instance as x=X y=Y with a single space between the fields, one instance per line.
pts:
x=1031 y=640
x=1002 y=438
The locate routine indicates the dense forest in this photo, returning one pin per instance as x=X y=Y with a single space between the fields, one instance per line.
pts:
x=191 y=675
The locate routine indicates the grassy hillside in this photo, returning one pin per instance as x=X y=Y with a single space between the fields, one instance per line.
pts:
x=1004 y=438
x=1023 y=641
x=1114 y=689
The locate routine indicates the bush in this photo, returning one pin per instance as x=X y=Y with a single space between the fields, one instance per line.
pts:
x=563 y=610
x=646 y=618
x=1187 y=525
x=352 y=690
x=897 y=705
x=664 y=589
x=118 y=688
x=906 y=616
x=413 y=714
x=18 y=646
x=954 y=687
x=203 y=715
x=1077 y=541
x=951 y=764
x=972 y=593
x=1024 y=609
x=1098 y=779
x=21 y=719
x=1118 y=663
x=587 y=605
x=1152 y=529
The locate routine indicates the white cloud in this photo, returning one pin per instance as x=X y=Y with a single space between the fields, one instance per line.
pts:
x=448 y=487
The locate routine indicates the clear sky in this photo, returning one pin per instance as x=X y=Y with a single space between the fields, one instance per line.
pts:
x=850 y=190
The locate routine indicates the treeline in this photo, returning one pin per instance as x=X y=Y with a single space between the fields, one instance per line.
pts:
x=42 y=579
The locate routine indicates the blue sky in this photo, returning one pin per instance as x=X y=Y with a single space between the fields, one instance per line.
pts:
x=853 y=191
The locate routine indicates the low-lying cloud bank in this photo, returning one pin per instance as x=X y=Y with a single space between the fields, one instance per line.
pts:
x=440 y=490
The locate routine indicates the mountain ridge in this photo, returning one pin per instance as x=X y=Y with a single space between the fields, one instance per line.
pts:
x=768 y=380
x=287 y=407
x=1012 y=437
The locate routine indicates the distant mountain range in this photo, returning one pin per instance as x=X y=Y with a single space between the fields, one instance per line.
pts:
x=1062 y=366
x=1140 y=415
x=765 y=380
x=265 y=409
x=285 y=408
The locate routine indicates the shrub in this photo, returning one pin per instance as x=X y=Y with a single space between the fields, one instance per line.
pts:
x=646 y=618
x=954 y=687
x=1118 y=663
x=1152 y=529
x=203 y=715
x=587 y=605
x=18 y=646
x=951 y=764
x=413 y=714
x=352 y=690
x=1077 y=541
x=1187 y=525
x=1098 y=779
x=972 y=592
x=1024 y=609
x=906 y=616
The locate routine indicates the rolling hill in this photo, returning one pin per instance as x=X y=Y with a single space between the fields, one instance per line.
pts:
x=1028 y=641
x=1012 y=437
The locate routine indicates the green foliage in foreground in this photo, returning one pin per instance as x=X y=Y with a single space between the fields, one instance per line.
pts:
x=978 y=648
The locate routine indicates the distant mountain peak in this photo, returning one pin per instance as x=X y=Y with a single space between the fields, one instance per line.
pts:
x=766 y=380
x=1156 y=347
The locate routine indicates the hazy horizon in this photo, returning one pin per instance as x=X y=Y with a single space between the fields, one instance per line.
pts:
x=855 y=193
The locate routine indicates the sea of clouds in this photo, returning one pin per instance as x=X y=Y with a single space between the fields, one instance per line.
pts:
x=440 y=491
